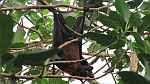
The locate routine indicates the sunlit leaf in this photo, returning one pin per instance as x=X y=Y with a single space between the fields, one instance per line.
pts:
x=19 y=36
x=123 y=9
x=17 y=15
x=50 y=81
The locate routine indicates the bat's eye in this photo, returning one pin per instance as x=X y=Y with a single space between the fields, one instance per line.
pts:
x=90 y=68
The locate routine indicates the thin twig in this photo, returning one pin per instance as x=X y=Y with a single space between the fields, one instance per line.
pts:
x=69 y=61
x=5 y=75
x=49 y=6
x=110 y=68
x=69 y=42
x=99 y=69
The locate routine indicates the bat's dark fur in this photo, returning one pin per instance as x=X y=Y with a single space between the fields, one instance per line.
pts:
x=72 y=51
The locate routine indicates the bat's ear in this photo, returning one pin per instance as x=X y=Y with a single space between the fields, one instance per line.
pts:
x=78 y=24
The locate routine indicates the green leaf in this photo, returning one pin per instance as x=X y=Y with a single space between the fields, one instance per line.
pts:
x=6 y=32
x=15 y=3
x=120 y=43
x=33 y=35
x=141 y=45
x=123 y=9
x=16 y=15
x=37 y=57
x=6 y=57
x=118 y=18
x=94 y=47
x=120 y=52
x=19 y=36
x=10 y=68
x=34 y=17
x=147 y=69
x=58 y=81
x=135 y=20
x=120 y=81
x=107 y=21
x=66 y=1
x=57 y=2
x=19 y=39
x=102 y=39
x=138 y=39
x=114 y=20
x=50 y=81
x=145 y=7
x=18 y=45
x=41 y=81
x=145 y=24
x=70 y=21
x=130 y=77
x=147 y=43
x=116 y=62
x=121 y=59
x=22 y=1
x=145 y=56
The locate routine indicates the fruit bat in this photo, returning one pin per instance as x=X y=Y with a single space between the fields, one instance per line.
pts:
x=72 y=51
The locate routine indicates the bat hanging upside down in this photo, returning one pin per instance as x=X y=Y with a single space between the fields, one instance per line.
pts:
x=72 y=51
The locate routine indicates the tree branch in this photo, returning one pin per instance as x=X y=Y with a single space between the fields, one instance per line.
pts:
x=5 y=75
x=49 y=6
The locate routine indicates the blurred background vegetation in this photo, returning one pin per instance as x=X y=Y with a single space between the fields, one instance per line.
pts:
x=122 y=26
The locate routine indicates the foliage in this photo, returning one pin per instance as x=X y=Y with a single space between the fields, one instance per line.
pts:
x=130 y=18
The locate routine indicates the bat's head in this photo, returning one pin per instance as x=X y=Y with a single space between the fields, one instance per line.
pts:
x=79 y=70
x=85 y=71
